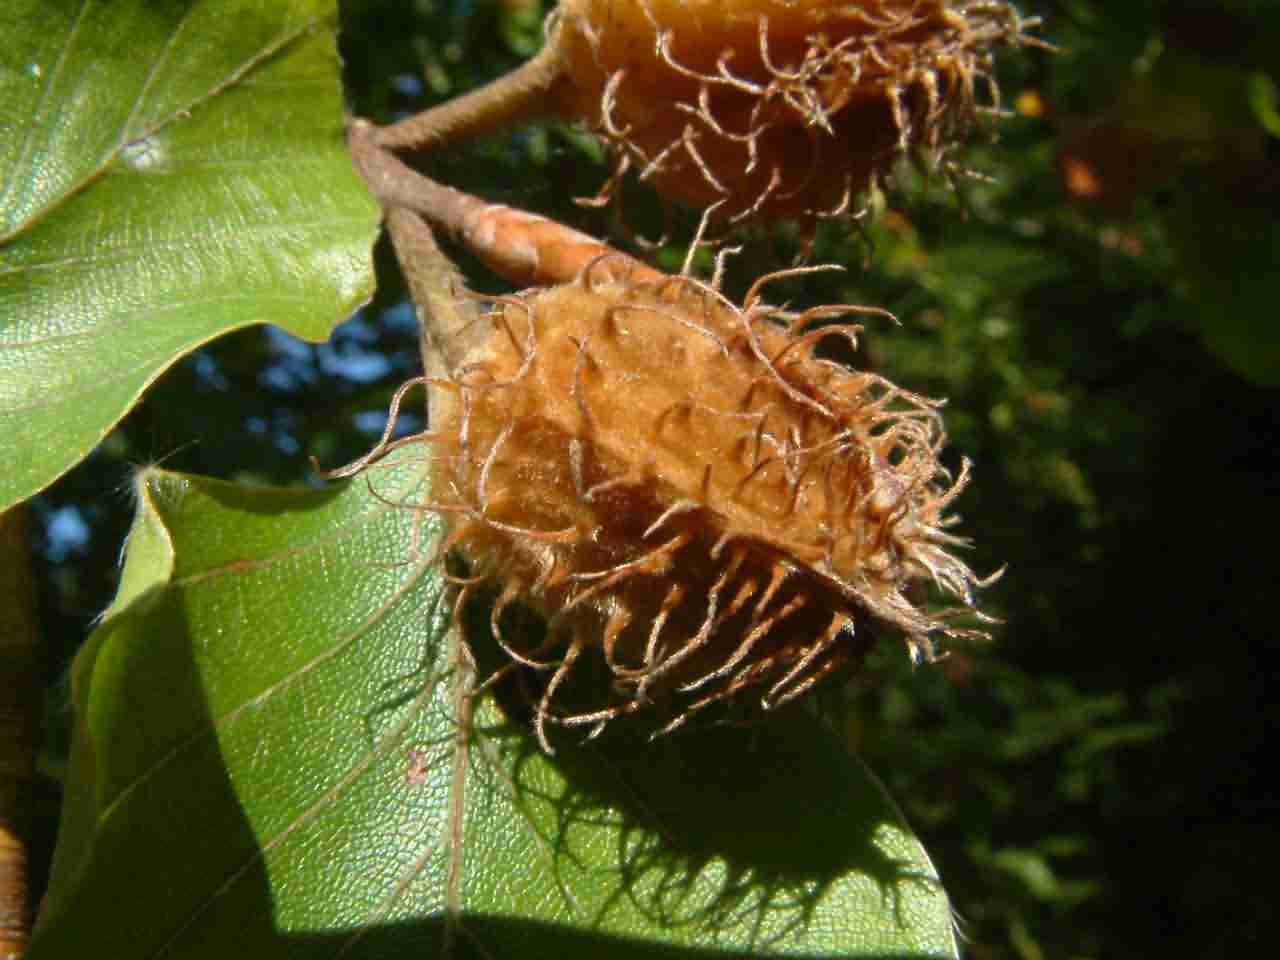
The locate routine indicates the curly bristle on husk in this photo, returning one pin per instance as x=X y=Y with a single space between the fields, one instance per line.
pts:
x=779 y=108
x=691 y=495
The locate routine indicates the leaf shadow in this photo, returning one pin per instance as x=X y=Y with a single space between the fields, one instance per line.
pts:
x=769 y=802
x=148 y=741
x=721 y=834
x=716 y=830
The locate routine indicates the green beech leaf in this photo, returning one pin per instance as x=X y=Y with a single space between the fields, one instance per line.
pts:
x=271 y=756
x=169 y=171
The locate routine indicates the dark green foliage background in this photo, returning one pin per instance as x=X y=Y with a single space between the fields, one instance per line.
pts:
x=1094 y=783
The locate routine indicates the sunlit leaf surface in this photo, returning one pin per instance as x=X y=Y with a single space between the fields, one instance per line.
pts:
x=168 y=172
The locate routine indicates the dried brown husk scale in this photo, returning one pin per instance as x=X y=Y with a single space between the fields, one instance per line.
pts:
x=778 y=108
x=686 y=491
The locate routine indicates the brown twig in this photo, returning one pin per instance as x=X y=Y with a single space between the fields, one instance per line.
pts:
x=20 y=696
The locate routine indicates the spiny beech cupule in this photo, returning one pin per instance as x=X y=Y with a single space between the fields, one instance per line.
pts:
x=702 y=507
x=752 y=109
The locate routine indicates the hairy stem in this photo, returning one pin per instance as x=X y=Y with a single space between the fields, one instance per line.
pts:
x=529 y=92
x=524 y=248
x=395 y=184
x=20 y=695
x=447 y=319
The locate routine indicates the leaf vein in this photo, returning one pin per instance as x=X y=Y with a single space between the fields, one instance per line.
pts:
x=29 y=140
x=145 y=89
